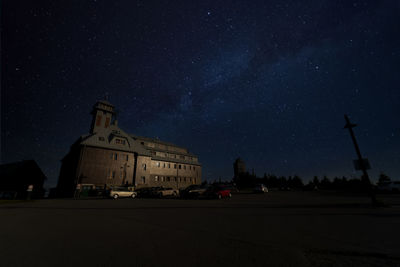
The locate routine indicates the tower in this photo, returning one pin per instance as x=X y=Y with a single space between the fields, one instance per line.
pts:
x=239 y=167
x=102 y=113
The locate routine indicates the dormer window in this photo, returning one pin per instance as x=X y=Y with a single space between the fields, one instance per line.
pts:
x=120 y=141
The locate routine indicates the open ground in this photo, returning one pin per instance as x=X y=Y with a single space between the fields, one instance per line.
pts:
x=274 y=229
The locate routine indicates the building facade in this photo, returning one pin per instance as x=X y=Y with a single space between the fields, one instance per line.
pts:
x=108 y=156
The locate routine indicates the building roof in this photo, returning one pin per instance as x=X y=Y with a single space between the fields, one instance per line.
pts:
x=154 y=140
x=105 y=139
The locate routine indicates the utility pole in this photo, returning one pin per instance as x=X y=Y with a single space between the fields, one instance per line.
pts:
x=362 y=163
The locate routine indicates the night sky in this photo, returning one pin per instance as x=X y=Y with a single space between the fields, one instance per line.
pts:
x=268 y=81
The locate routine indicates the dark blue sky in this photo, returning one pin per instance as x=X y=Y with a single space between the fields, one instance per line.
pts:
x=268 y=81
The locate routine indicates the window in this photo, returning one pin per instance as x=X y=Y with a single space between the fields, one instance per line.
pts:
x=98 y=120
x=184 y=179
x=194 y=168
x=184 y=167
x=113 y=175
x=115 y=156
x=143 y=180
x=174 y=166
x=190 y=167
x=168 y=179
x=175 y=179
x=156 y=178
x=120 y=141
x=180 y=166
x=101 y=138
x=169 y=166
x=107 y=122
x=144 y=166
x=158 y=164
x=182 y=157
x=127 y=157
x=162 y=178
x=112 y=156
x=164 y=165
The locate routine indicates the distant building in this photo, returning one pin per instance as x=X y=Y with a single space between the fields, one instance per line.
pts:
x=239 y=168
x=108 y=156
x=16 y=177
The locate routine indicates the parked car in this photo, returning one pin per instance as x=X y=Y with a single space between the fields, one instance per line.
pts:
x=117 y=192
x=218 y=191
x=193 y=191
x=260 y=188
x=166 y=192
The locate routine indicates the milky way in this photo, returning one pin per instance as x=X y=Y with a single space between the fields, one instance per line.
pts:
x=268 y=81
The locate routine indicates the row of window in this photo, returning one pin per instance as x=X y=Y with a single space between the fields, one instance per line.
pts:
x=114 y=156
x=174 y=156
x=120 y=141
x=164 y=147
x=179 y=166
x=173 y=179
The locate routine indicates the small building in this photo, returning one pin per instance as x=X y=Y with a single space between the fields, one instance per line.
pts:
x=108 y=156
x=16 y=177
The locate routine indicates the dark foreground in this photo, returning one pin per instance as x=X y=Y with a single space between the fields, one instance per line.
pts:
x=276 y=229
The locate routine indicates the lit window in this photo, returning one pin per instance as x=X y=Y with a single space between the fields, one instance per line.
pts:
x=156 y=178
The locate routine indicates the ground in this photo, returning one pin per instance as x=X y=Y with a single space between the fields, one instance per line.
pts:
x=274 y=229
